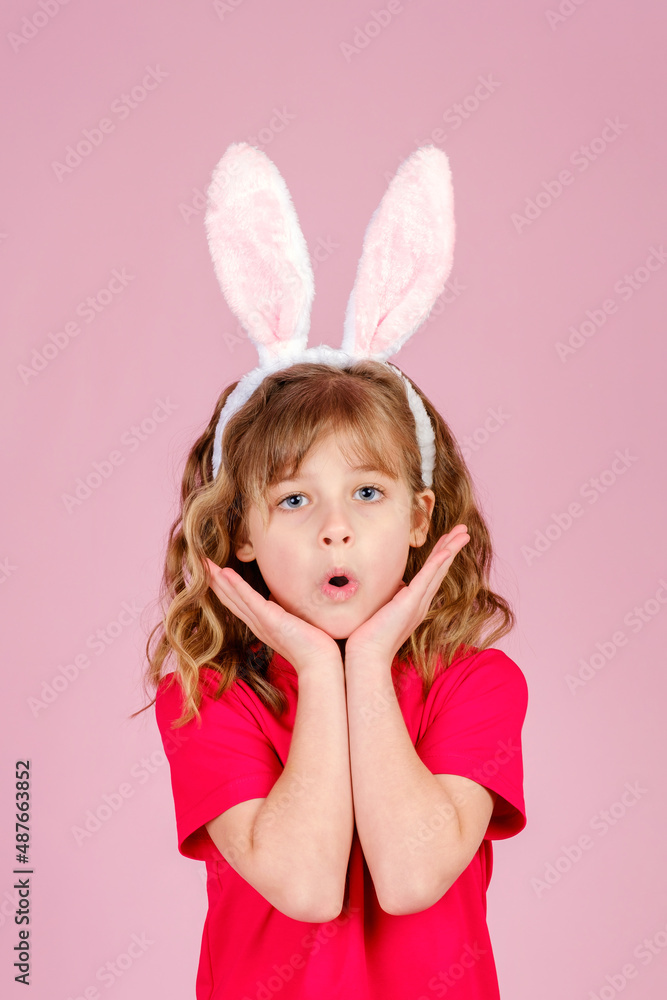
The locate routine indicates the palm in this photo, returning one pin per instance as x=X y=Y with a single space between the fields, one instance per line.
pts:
x=296 y=640
x=386 y=631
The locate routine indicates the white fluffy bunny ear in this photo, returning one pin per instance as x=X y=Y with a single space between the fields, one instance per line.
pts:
x=406 y=258
x=259 y=252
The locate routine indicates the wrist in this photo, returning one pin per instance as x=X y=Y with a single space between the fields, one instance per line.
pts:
x=321 y=666
x=370 y=661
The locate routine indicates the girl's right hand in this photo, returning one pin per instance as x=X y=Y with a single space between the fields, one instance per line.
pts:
x=299 y=642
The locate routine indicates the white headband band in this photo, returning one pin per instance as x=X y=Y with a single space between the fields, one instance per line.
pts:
x=261 y=260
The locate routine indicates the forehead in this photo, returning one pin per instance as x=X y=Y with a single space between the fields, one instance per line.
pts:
x=355 y=450
x=342 y=448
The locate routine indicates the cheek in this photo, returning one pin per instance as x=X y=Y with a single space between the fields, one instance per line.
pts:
x=392 y=557
x=279 y=561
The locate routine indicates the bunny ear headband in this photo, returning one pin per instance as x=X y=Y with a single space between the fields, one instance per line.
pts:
x=261 y=261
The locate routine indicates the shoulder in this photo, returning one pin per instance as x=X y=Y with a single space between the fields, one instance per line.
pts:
x=495 y=664
x=483 y=672
x=170 y=697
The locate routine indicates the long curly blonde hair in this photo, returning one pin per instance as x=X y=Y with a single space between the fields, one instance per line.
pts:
x=265 y=442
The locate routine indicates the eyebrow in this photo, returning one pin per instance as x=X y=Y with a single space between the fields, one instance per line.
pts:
x=353 y=468
x=366 y=468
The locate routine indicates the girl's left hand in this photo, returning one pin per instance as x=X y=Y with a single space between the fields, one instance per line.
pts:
x=386 y=631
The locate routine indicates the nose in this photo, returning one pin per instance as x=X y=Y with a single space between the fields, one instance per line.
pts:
x=335 y=528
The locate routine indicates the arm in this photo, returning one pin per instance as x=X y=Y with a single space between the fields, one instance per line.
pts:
x=418 y=830
x=294 y=845
x=297 y=845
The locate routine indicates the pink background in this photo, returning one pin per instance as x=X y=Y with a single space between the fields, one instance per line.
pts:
x=515 y=94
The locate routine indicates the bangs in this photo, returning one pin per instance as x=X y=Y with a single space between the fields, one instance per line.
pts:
x=304 y=404
x=363 y=442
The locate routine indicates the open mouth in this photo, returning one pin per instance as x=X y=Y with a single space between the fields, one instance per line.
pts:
x=339 y=584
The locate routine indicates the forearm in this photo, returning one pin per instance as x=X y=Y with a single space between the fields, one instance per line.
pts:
x=303 y=831
x=396 y=797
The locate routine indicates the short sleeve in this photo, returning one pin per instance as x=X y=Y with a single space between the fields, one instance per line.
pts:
x=225 y=760
x=474 y=729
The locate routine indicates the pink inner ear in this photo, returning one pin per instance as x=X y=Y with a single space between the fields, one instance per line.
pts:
x=264 y=298
x=258 y=250
x=406 y=259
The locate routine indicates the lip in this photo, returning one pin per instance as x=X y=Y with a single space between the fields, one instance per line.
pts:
x=339 y=593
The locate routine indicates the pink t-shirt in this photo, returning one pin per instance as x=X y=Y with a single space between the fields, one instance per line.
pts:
x=470 y=724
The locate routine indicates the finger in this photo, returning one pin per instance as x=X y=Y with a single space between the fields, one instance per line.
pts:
x=445 y=556
x=437 y=566
x=452 y=542
x=265 y=618
x=245 y=595
x=226 y=596
x=442 y=554
x=216 y=577
x=422 y=587
x=211 y=568
x=450 y=537
x=226 y=587
x=228 y=580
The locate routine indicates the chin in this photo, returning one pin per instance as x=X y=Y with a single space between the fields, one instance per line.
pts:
x=338 y=633
x=336 y=622
x=342 y=629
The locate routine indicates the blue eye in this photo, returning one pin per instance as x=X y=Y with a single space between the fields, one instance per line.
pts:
x=286 y=505
x=372 y=489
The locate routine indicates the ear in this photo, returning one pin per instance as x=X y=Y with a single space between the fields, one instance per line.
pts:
x=241 y=543
x=422 y=518
x=259 y=252
x=245 y=552
x=406 y=258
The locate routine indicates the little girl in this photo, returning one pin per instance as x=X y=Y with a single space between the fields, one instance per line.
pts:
x=344 y=742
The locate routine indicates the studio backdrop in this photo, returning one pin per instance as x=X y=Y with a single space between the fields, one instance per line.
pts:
x=545 y=354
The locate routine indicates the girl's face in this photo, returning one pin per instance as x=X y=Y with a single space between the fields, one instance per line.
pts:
x=336 y=544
